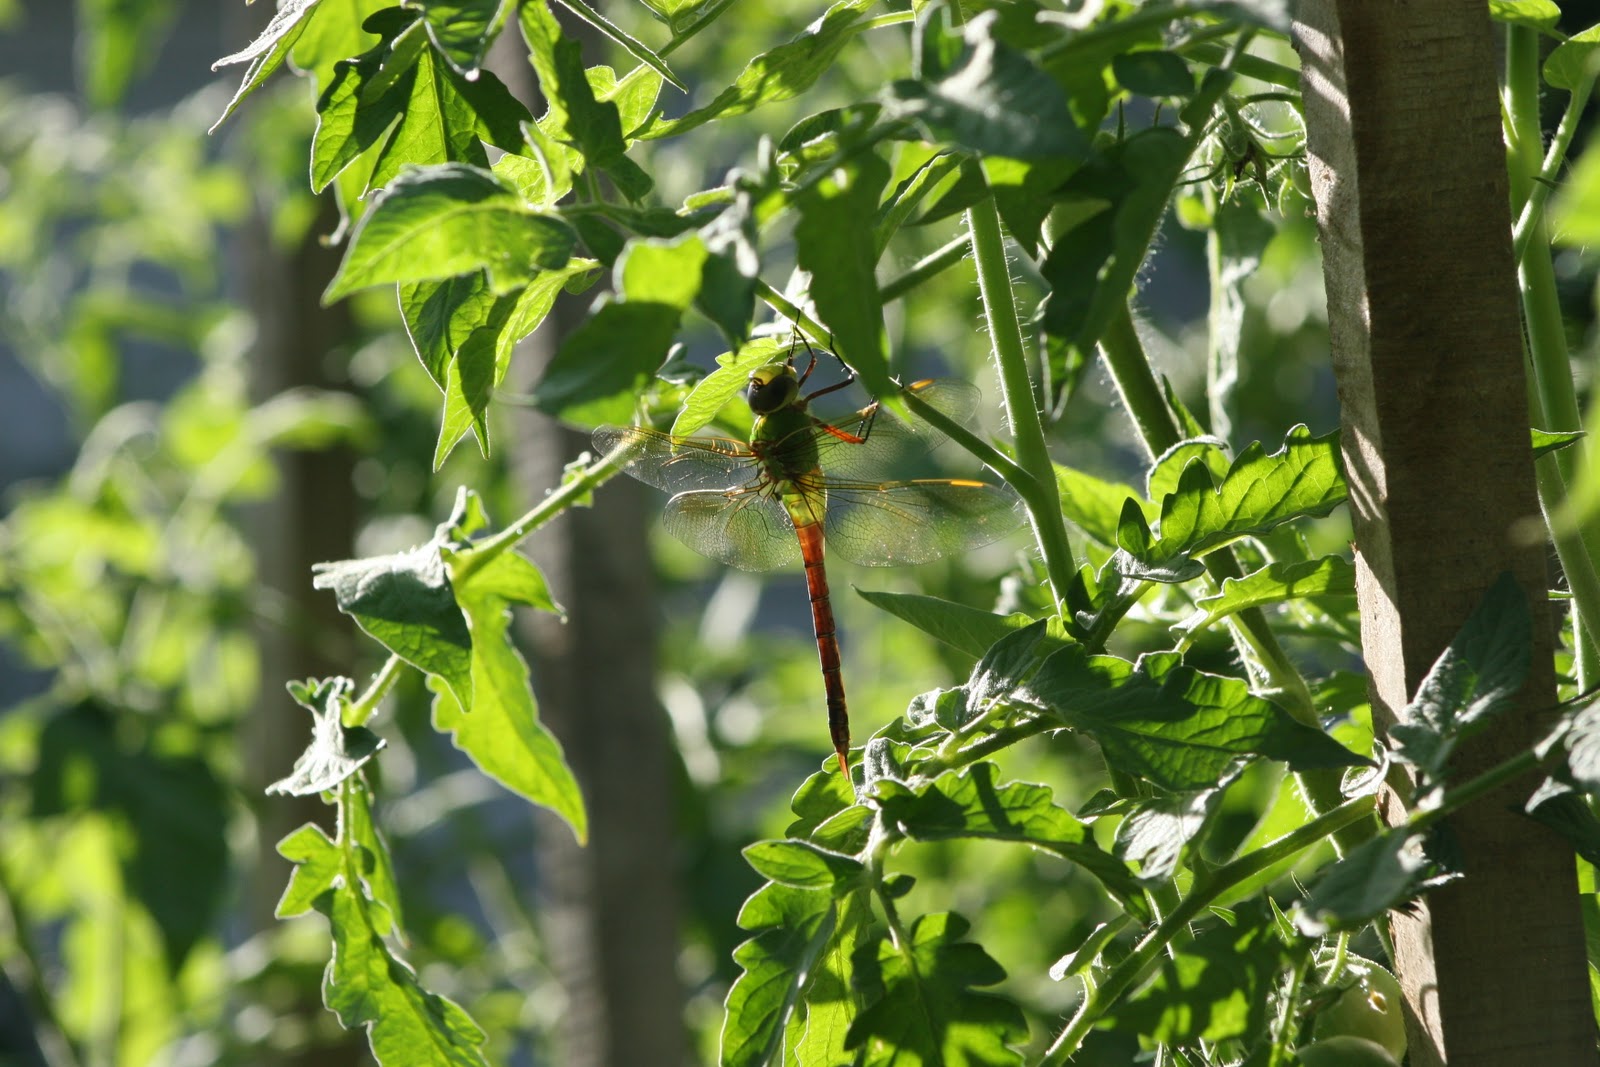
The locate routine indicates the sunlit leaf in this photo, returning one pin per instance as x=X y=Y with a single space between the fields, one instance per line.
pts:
x=336 y=751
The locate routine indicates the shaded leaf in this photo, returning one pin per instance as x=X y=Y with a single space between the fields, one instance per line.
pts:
x=1475 y=678
x=968 y=804
x=922 y=1005
x=1218 y=986
x=1177 y=727
x=1092 y=503
x=463 y=30
x=1384 y=873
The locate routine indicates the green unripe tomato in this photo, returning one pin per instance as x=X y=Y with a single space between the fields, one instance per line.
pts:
x=1345 y=1051
x=1369 y=1009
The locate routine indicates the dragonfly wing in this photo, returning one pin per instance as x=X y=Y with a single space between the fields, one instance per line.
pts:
x=892 y=445
x=678 y=464
x=896 y=523
x=746 y=529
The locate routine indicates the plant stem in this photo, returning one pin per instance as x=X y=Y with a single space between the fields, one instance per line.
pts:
x=1136 y=384
x=468 y=562
x=1043 y=497
x=925 y=268
x=1207 y=889
x=1554 y=401
x=358 y=711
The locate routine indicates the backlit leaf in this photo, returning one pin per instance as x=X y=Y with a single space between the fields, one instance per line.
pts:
x=336 y=751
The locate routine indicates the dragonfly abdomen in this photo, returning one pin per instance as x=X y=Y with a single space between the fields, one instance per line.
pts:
x=810 y=535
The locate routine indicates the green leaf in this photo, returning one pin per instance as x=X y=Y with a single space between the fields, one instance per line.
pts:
x=602 y=368
x=994 y=101
x=970 y=630
x=834 y=214
x=267 y=52
x=794 y=930
x=1547 y=441
x=1155 y=831
x=711 y=393
x=502 y=733
x=576 y=116
x=1218 y=986
x=1259 y=492
x=1092 y=265
x=922 y=1006
x=1153 y=72
x=1092 y=503
x=336 y=751
x=317 y=864
x=1579 y=736
x=1166 y=473
x=377 y=870
x=370 y=987
x=1272 y=584
x=781 y=73
x=441 y=221
x=463 y=30
x=356 y=113
x=405 y=602
x=1574 y=61
x=1177 y=727
x=1383 y=874
x=804 y=865
x=631 y=45
x=1540 y=14
x=1475 y=678
x=968 y=804
x=1566 y=811
x=170 y=810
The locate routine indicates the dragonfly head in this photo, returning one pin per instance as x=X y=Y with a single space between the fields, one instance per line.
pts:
x=772 y=388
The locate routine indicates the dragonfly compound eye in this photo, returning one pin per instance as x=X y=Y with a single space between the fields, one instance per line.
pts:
x=771 y=389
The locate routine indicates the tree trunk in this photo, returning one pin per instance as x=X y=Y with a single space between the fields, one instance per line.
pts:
x=1408 y=165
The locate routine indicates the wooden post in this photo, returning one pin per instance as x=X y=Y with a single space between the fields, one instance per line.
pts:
x=1408 y=165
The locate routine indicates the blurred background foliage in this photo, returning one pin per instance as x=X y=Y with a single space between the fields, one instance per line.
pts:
x=173 y=402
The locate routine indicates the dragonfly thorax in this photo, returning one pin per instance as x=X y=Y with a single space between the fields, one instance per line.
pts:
x=772 y=389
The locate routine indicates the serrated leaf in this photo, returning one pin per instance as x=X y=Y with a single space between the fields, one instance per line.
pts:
x=993 y=101
x=441 y=221
x=834 y=213
x=922 y=1003
x=803 y=865
x=1166 y=472
x=1260 y=492
x=360 y=828
x=1384 y=873
x=1005 y=664
x=1092 y=503
x=1218 y=986
x=370 y=987
x=317 y=864
x=502 y=733
x=1272 y=584
x=405 y=602
x=336 y=751
x=968 y=804
x=794 y=929
x=781 y=73
x=971 y=630
x=1177 y=727
x=1475 y=678
x=353 y=116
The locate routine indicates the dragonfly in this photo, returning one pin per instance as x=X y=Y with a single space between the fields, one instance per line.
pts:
x=801 y=483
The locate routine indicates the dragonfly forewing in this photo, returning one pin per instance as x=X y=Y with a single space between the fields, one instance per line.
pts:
x=676 y=464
